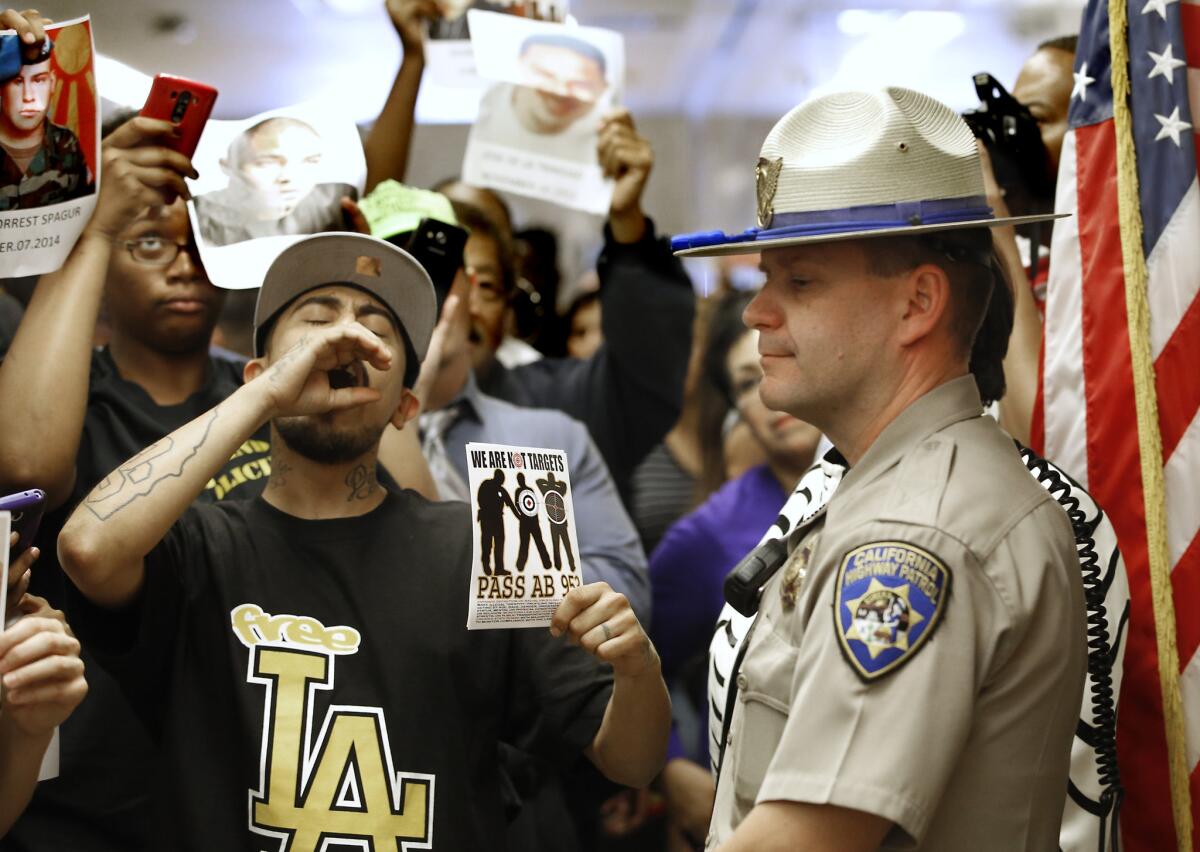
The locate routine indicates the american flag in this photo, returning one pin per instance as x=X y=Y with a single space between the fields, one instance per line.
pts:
x=1090 y=411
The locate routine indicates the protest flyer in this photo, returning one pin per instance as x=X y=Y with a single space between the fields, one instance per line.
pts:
x=267 y=181
x=537 y=130
x=449 y=60
x=526 y=552
x=49 y=146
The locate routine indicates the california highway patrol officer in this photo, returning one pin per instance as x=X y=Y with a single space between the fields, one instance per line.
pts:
x=913 y=676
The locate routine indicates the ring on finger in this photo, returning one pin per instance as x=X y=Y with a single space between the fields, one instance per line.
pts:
x=607 y=632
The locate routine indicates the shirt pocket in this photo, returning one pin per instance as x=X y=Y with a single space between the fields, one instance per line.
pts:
x=765 y=693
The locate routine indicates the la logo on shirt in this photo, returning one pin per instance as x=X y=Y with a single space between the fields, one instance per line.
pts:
x=337 y=783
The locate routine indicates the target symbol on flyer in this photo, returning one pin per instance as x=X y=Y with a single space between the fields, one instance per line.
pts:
x=527 y=502
x=556 y=507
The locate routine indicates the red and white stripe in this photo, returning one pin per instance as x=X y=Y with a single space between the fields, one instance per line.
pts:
x=1091 y=432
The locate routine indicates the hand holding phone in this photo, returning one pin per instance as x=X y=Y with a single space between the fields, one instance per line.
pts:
x=17 y=582
x=185 y=103
x=26 y=508
x=438 y=247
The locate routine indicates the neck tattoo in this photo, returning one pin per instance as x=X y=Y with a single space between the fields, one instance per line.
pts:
x=361 y=482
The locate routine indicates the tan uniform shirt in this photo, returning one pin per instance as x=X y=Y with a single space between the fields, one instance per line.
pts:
x=921 y=654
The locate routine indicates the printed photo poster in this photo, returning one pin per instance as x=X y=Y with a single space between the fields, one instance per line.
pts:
x=536 y=134
x=267 y=181
x=526 y=552
x=449 y=60
x=49 y=146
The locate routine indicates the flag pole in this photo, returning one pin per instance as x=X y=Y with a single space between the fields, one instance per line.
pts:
x=1149 y=435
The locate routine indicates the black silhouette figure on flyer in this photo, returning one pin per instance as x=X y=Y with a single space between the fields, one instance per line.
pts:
x=492 y=499
x=554 y=491
x=531 y=527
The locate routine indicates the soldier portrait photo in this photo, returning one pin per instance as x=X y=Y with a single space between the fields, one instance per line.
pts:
x=42 y=161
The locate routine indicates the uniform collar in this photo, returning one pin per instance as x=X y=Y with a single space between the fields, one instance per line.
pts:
x=945 y=405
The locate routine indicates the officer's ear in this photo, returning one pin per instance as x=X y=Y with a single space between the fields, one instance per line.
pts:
x=925 y=291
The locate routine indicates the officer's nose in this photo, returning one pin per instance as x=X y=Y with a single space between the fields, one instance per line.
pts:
x=761 y=312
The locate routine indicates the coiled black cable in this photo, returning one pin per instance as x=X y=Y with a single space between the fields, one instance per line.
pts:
x=1102 y=736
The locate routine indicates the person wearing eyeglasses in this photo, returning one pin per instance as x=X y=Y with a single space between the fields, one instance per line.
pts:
x=82 y=410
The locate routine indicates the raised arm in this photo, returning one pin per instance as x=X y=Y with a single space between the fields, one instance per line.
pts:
x=647 y=304
x=1025 y=342
x=387 y=143
x=400 y=449
x=104 y=543
x=630 y=393
x=45 y=373
x=627 y=158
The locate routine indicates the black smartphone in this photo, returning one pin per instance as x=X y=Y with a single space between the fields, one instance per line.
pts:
x=437 y=246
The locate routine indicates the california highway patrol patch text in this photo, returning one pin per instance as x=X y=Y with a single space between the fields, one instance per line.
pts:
x=890 y=598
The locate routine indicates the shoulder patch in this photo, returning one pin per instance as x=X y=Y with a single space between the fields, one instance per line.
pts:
x=890 y=598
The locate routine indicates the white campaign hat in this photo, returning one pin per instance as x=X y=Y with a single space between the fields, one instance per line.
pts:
x=861 y=164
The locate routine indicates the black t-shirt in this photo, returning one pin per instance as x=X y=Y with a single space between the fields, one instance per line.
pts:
x=316 y=679
x=98 y=801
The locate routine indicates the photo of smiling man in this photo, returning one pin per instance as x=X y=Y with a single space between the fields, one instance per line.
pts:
x=274 y=168
x=538 y=126
x=41 y=163
x=563 y=81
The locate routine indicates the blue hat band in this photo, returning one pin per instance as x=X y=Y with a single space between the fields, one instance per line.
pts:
x=867 y=217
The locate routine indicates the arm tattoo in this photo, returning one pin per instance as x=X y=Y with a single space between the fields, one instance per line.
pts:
x=285 y=361
x=361 y=482
x=139 y=476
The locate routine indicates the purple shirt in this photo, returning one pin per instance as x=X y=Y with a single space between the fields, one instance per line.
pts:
x=688 y=568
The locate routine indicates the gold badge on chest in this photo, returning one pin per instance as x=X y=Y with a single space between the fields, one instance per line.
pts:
x=794 y=573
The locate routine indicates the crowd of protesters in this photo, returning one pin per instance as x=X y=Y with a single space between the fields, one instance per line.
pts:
x=129 y=378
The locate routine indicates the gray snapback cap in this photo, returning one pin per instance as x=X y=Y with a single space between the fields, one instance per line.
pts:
x=389 y=273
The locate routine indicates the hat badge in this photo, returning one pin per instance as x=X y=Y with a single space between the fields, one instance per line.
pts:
x=367 y=265
x=766 y=178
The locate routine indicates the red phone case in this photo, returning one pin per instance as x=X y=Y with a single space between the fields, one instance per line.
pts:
x=186 y=104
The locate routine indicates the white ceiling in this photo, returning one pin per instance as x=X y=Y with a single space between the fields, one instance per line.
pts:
x=694 y=58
